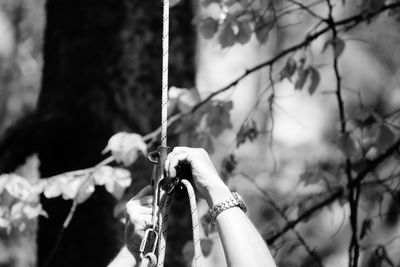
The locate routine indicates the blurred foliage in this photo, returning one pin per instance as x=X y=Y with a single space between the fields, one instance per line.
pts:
x=20 y=57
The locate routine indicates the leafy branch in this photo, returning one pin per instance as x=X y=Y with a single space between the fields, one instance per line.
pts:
x=353 y=21
x=371 y=166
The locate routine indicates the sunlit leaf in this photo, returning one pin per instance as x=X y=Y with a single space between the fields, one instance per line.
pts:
x=289 y=69
x=208 y=27
x=125 y=147
x=76 y=185
x=5 y=218
x=20 y=188
x=347 y=145
x=227 y=36
x=385 y=138
x=115 y=180
x=188 y=100
x=315 y=80
x=206 y=245
x=244 y=32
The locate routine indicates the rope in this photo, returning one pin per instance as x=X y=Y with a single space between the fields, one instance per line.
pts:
x=164 y=100
x=195 y=222
x=163 y=225
x=166 y=199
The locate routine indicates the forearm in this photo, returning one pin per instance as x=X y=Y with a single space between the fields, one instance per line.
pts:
x=243 y=245
x=123 y=259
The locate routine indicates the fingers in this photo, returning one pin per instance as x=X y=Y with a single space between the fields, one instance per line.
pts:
x=173 y=161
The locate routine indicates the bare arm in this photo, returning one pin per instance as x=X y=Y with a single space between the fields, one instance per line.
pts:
x=242 y=244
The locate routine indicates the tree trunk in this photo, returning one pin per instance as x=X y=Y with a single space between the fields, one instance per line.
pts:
x=101 y=75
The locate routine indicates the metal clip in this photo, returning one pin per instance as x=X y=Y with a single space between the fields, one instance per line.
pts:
x=149 y=243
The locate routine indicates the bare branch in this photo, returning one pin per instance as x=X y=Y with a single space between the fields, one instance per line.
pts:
x=372 y=165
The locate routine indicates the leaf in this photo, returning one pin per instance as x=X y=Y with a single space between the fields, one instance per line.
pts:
x=371 y=6
x=79 y=188
x=310 y=177
x=366 y=227
x=262 y=29
x=363 y=117
x=244 y=33
x=347 y=145
x=20 y=188
x=227 y=36
x=337 y=44
x=218 y=117
x=206 y=246
x=203 y=139
x=125 y=147
x=385 y=138
x=208 y=27
x=5 y=218
x=115 y=180
x=188 y=100
x=229 y=164
x=302 y=78
x=289 y=69
x=248 y=131
x=315 y=79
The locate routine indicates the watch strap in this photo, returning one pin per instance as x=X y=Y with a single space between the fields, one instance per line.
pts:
x=234 y=201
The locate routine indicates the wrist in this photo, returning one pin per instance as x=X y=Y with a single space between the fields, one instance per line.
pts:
x=216 y=193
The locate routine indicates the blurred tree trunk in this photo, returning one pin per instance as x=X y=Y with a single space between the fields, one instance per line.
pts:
x=102 y=69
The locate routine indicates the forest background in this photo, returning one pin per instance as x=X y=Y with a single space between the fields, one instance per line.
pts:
x=296 y=101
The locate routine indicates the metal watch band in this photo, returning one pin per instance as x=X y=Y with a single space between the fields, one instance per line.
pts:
x=234 y=201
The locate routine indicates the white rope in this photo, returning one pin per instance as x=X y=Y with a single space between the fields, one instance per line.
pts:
x=164 y=100
x=166 y=200
x=195 y=223
x=165 y=206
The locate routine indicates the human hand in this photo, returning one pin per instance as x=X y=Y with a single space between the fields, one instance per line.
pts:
x=138 y=219
x=206 y=179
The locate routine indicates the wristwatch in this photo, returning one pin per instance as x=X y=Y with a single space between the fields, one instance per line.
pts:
x=234 y=201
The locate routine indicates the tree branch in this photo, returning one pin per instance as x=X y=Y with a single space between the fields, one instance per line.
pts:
x=372 y=165
x=356 y=19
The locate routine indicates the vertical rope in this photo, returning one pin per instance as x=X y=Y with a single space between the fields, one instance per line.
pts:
x=165 y=44
x=195 y=223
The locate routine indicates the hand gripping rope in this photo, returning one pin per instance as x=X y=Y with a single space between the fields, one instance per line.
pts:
x=153 y=246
